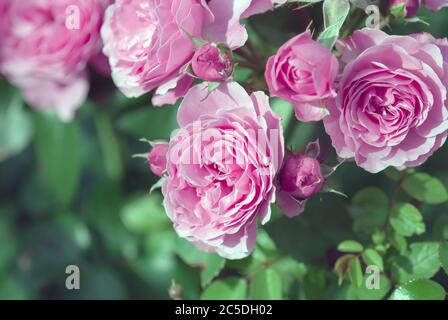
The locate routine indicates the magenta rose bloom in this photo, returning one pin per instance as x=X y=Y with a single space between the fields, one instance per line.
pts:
x=149 y=42
x=45 y=46
x=157 y=158
x=436 y=5
x=212 y=63
x=302 y=72
x=300 y=179
x=391 y=108
x=221 y=168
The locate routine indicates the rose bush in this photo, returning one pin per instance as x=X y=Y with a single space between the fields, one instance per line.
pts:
x=87 y=193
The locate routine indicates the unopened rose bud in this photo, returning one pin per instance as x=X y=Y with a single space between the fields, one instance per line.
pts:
x=157 y=158
x=212 y=63
x=404 y=8
x=301 y=177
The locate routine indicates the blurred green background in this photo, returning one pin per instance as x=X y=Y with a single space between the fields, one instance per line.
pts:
x=72 y=194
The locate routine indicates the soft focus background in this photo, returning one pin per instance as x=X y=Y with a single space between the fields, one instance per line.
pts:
x=74 y=194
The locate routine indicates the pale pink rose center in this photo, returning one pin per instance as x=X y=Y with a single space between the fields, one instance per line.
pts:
x=387 y=113
x=135 y=28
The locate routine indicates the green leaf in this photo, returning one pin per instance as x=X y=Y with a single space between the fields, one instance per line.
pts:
x=210 y=263
x=407 y=220
x=421 y=262
x=350 y=246
x=441 y=227
x=419 y=290
x=425 y=188
x=16 y=127
x=110 y=146
x=75 y=229
x=288 y=267
x=364 y=293
x=227 y=289
x=301 y=135
x=335 y=14
x=212 y=86
x=314 y=284
x=369 y=209
x=371 y=257
x=341 y=266
x=146 y=122
x=398 y=11
x=355 y=272
x=379 y=237
x=58 y=148
x=189 y=253
x=393 y=174
x=251 y=263
x=398 y=242
x=443 y=256
x=285 y=110
x=266 y=244
x=213 y=265
x=144 y=214
x=266 y=284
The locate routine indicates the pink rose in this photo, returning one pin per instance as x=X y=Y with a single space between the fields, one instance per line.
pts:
x=157 y=158
x=149 y=42
x=226 y=27
x=410 y=6
x=302 y=72
x=212 y=63
x=221 y=168
x=300 y=179
x=391 y=108
x=45 y=46
x=436 y=5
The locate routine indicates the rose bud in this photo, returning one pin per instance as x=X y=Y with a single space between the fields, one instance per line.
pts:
x=300 y=179
x=404 y=8
x=157 y=158
x=212 y=62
